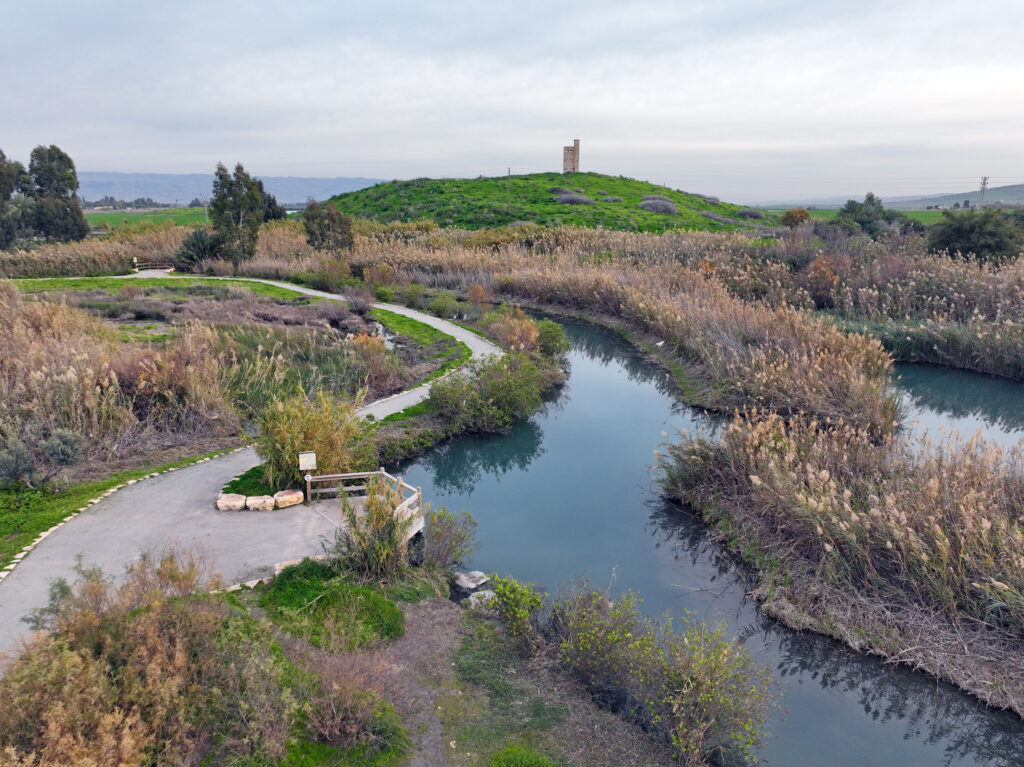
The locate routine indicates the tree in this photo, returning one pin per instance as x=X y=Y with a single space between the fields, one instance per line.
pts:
x=237 y=210
x=795 y=216
x=327 y=228
x=271 y=210
x=986 y=233
x=872 y=218
x=8 y=183
x=57 y=213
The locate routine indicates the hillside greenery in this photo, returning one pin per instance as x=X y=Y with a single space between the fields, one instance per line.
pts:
x=487 y=202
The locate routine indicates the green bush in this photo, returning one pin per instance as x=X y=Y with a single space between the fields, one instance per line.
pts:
x=384 y=293
x=988 y=234
x=444 y=305
x=551 y=339
x=200 y=245
x=703 y=692
x=447 y=538
x=517 y=756
x=374 y=542
x=517 y=605
x=490 y=395
x=412 y=295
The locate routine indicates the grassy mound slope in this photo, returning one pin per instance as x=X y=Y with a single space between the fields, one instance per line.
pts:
x=484 y=202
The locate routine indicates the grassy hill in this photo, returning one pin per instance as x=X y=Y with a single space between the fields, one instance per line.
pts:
x=486 y=202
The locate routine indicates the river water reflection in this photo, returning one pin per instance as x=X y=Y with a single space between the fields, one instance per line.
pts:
x=568 y=496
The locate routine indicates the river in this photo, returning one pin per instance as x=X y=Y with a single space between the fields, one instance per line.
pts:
x=568 y=495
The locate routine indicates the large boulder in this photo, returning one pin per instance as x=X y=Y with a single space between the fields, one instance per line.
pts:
x=230 y=502
x=260 y=503
x=474 y=579
x=286 y=498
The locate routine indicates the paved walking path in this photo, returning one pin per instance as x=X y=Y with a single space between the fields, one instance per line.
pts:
x=177 y=509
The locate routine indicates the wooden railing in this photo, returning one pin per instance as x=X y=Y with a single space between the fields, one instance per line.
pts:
x=140 y=265
x=354 y=484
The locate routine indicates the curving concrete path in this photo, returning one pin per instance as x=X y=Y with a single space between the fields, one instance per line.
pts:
x=176 y=509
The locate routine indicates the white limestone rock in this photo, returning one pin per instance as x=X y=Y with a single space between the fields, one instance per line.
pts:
x=260 y=503
x=230 y=502
x=286 y=498
x=474 y=579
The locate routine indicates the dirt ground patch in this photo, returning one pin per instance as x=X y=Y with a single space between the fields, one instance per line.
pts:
x=462 y=693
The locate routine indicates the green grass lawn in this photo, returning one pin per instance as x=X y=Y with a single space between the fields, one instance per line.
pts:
x=24 y=512
x=488 y=202
x=116 y=285
x=926 y=217
x=112 y=218
x=456 y=351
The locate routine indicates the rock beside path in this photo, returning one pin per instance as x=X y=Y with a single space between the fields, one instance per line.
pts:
x=286 y=498
x=260 y=503
x=230 y=502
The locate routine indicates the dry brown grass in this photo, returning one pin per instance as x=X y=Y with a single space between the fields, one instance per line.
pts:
x=89 y=258
x=63 y=369
x=931 y=529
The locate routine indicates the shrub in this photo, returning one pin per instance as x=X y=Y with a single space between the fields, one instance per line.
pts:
x=551 y=339
x=752 y=213
x=706 y=694
x=17 y=464
x=512 y=328
x=794 y=217
x=384 y=293
x=488 y=396
x=517 y=756
x=987 y=234
x=661 y=206
x=444 y=305
x=327 y=228
x=659 y=197
x=612 y=199
x=295 y=424
x=412 y=294
x=63 y=448
x=717 y=696
x=448 y=538
x=200 y=245
x=148 y=671
x=572 y=198
x=346 y=706
x=374 y=543
x=517 y=605
x=559 y=190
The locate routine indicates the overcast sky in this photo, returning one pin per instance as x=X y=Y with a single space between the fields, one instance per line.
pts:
x=745 y=99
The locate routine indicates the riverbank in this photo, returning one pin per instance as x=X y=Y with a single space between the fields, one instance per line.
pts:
x=905 y=549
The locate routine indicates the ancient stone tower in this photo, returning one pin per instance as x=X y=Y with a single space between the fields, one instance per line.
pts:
x=571 y=157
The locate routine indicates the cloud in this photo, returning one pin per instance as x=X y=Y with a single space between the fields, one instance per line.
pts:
x=746 y=100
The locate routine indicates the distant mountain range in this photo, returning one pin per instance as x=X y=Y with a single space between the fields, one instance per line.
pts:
x=1012 y=195
x=184 y=187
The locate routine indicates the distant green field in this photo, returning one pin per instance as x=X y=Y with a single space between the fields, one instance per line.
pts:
x=924 y=216
x=112 y=218
x=482 y=203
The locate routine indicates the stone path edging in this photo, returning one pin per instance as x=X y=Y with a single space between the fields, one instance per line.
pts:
x=93 y=501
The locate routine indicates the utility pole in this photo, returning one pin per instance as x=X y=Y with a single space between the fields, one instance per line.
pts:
x=984 y=186
x=510 y=191
x=206 y=215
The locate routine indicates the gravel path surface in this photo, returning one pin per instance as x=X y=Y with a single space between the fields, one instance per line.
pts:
x=177 y=509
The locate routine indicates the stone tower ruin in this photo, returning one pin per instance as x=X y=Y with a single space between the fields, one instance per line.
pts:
x=571 y=157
